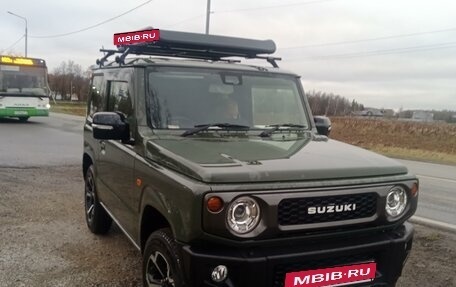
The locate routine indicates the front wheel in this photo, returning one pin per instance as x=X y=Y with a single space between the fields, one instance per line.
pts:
x=98 y=220
x=162 y=261
x=23 y=119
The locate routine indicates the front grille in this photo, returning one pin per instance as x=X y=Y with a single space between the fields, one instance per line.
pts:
x=295 y=210
x=281 y=270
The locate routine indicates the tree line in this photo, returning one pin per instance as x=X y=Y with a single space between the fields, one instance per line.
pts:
x=329 y=104
x=68 y=81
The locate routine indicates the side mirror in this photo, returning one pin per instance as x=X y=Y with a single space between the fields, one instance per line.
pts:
x=110 y=126
x=323 y=125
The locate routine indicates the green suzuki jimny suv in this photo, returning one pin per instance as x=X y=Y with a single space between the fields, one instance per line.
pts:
x=216 y=172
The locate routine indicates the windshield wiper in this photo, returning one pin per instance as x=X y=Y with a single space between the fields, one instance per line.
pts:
x=277 y=127
x=205 y=127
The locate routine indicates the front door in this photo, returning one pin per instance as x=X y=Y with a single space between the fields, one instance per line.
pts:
x=116 y=161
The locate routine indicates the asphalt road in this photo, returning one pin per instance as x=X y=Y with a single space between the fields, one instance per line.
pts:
x=43 y=141
x=57 y=140
x=437 y=197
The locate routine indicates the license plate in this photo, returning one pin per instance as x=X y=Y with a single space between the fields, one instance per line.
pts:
x=334 y=276
x=20 y=113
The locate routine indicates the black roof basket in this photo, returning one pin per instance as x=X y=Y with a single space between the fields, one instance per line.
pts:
x=197 y=46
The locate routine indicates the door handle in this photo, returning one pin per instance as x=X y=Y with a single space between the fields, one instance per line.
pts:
x=102 y=145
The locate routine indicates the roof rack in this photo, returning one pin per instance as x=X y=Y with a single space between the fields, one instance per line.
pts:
x=197 y=46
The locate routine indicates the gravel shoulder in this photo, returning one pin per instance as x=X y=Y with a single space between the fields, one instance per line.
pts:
x=44 y=240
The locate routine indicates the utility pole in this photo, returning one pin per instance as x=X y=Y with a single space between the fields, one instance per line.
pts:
x=25 y=19
x=208 y=15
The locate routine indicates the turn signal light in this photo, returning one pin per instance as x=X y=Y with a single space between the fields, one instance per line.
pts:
x=214 y=204
x=414 y=190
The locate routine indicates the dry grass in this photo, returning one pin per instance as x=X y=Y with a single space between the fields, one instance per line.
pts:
x=412 y=140
x=72 y=108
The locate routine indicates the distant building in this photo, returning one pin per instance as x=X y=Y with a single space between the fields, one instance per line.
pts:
x=423 y=116
x=370 y=112
x=388 y=113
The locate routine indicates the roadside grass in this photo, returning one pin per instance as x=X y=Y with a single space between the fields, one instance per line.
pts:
x=433 y=142
x=433 y=236
x=67 y=107
x=416 y=154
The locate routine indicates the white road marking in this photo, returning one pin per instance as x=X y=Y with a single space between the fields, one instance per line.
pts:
x=434 y=223
x=436 y=178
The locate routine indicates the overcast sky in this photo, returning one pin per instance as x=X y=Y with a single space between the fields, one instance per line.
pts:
x=382 y=53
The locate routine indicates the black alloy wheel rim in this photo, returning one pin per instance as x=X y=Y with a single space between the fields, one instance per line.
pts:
x=89 y=196
x=158 y=272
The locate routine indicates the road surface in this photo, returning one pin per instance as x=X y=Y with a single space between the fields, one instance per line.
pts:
x=437 y=197
x=43 y=141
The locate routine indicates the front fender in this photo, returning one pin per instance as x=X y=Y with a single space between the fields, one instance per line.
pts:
x=177 y=198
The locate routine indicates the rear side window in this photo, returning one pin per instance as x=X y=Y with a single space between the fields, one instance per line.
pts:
x=97 y=95
x=119 y=99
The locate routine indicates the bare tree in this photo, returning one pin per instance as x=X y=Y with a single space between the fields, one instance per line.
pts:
x=331 y=105
x=68 y=79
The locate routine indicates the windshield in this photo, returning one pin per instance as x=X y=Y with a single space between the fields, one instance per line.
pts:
x=180 y=98
x=23 y=81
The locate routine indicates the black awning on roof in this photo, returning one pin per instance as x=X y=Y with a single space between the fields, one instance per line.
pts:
x=221 y=44
x=200 y=46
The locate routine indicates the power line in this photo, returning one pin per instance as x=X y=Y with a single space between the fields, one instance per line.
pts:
x=372 y=39
x=392 y=51
x=274 y=6
x=93 y=26
x=385 y=51
x=185 y=20
x=12 y=45
x=248 y=9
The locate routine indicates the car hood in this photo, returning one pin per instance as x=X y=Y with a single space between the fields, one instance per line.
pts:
x=253 y=159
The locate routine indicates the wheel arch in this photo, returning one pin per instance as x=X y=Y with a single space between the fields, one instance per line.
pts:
x=86 y=162
x=151 y=220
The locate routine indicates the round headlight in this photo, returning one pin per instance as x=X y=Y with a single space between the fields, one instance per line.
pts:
x=243 y=215
x=396 y=201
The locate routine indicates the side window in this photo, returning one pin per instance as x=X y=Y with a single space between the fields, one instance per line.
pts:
x=119 y=99
x=97 y=95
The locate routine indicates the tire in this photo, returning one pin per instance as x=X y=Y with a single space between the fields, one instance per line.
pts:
x=23 y=119
x=162 y=261
x=97 y=219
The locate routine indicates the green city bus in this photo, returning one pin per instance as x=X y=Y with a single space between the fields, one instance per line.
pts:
x=24 y=88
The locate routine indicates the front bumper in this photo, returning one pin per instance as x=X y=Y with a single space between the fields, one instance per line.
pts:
x=267 y=266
